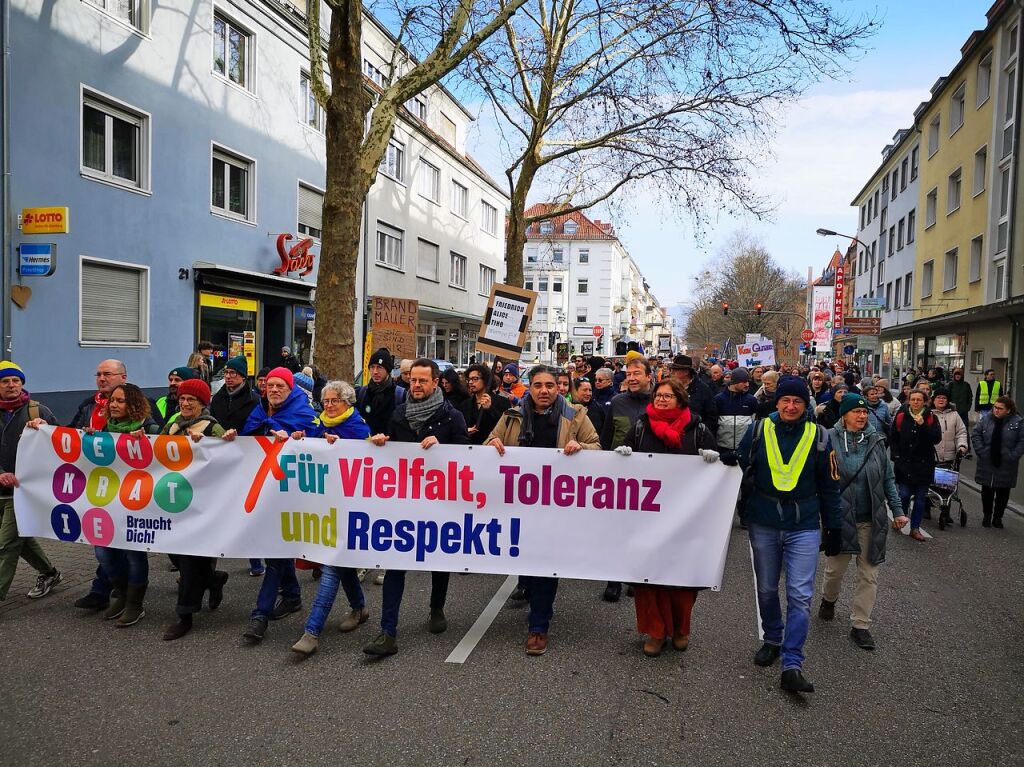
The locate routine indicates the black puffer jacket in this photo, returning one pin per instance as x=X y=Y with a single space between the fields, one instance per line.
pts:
x=447 y=424
x=232 y=410
x=913 y=447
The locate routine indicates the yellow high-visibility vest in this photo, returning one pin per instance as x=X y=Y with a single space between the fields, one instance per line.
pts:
x=983 y=395
x=786 y=475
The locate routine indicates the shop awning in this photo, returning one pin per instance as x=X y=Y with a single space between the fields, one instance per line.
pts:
x=234 y=278
x=429 y=311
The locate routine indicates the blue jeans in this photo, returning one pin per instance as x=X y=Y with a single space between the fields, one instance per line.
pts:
x=280 y=574
x=330 y=578
x=394 y=587
x=920 y=495
x=256 y=564
x=797 y=552
x=122 y=564
x=101 y=583
x=542 y=602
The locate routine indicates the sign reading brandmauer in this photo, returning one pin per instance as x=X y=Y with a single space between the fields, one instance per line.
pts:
x=393 y=321
x=503 y=331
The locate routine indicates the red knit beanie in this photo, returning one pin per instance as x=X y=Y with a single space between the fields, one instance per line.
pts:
x=196 y=387
x=284 y=374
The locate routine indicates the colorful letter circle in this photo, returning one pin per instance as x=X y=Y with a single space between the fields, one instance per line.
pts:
x=172 y=493
x=65 y=523
x=98 y=527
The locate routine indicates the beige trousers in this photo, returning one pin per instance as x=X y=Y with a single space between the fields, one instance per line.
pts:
x=867 y=579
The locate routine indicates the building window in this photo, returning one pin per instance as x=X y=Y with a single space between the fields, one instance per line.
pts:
x=895 y=180
x=393 y=162
x=232 y=51
x=975 y=266
x=528 y=284
x=977 y=360
x=426 y=260
x=459 y=197
x=542 y=311
x=870 y=203
x=999 y=277
x=1009 y=100
x=531 y=255
x=570 y=227
x=542 y=284
x=957 y=108
x=911 y=224
x=546 y=227
x=556 y=285
x=488 y=217
x=984 y=86
x=900 y=234
x=863 y=214
x=487 y=275
x=310 y=111
x=584 y=256
x=931 y=203
x=430 y=181
x=903 y=173
x=418 y=107
x=897 y=292
x=885 y=221
x=915 y=155
x=103 y=320
x=373 y=72
x=888 y=296
x=581 y=287
x=953 y=191
x=233 y=187
x=581 y=315
x=134 y=13
x=115 y=143
x=876 y=202
x=448 y=132
x=933 y=135
x=926 y=278
x=885 y=185
x=389 y=246
x=557 y=256
x=907 y=283
x=949 y=269
x=980 y=169
x=457 y=278
x=311 y=212
x=892 y=240
x=881 y=273
x=1002 y=229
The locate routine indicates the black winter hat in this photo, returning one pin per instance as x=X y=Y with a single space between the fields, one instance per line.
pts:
x=383 y=358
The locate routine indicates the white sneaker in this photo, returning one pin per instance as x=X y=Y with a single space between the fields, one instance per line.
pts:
x=379 y=580
x=361 y=574
x=44 y=584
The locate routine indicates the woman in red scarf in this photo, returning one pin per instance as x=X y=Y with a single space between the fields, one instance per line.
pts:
x=668 y=426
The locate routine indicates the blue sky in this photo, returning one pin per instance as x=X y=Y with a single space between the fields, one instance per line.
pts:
x=827 y=146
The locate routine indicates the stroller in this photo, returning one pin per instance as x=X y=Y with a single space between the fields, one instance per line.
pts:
x=945 y=489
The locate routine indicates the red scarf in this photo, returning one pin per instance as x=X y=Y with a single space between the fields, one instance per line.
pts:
x=669 y=425
x=10 y=405
x=98 y=419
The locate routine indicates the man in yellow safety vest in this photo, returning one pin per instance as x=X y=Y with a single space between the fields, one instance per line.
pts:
x=792 y=492
x=988 y=392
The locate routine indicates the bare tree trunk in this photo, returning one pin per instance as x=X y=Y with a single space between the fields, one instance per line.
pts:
x=515 y=233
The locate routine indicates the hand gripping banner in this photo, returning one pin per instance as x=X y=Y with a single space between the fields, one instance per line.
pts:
x=639 y=519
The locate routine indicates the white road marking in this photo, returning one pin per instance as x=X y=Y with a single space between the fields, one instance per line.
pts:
x=479 y=628
x=757 y=603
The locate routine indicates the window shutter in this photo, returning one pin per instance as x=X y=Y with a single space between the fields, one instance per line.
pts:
x=113 y=303
x=311 y=208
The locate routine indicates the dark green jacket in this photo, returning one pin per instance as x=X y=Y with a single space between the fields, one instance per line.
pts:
x=961 y=395
x=622 y=413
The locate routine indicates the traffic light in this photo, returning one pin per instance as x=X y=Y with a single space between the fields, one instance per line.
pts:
x=758 y=307
x=600 y=343
x=725 y=308
x=551 y=339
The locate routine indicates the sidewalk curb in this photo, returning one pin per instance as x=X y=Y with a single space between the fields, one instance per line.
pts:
x=1013 y=506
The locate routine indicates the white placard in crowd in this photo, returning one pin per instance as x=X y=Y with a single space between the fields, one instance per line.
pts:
x=758 y=353
x=595 y=515
x=503 y=331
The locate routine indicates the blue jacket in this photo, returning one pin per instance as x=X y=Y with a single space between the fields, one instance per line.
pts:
x=814 y=502
x=353 y=427
x=295 y=414
x=735 y=412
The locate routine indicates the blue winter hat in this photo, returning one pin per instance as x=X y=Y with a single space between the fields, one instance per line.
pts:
x=792 y=386
x=512 y=368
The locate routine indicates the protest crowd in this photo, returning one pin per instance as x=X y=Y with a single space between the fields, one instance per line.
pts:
x=831 y=461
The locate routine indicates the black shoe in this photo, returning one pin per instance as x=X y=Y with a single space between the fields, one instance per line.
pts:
x=767 y=655
x=256 y=629
x=629 y=590
x=827 y=611
x=519 y=595
x=93 y=601
x=793 y=681
x=438 y=624
x=997 y=522
x=179 y=629
x=986 y=521
x=863 y=639
x=217 y=589
x=612 y=592
x=285 y=607
x=384 y=644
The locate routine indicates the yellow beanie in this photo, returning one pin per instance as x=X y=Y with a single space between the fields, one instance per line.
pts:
x=8 y=368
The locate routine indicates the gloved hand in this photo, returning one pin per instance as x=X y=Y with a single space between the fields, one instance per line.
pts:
x=961 y=451
x=831 y=541
x=729 y=458
x=624 y=450
x=709 y=456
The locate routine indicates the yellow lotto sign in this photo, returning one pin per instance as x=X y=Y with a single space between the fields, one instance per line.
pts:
x=44 y=220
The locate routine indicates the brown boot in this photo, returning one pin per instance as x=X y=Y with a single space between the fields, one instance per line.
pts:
x=133 y=610
x=681 y=642
x=653 y=647
x=118 y=600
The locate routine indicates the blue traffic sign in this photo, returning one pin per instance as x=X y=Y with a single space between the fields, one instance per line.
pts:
x=849 y=349
x=37 y=259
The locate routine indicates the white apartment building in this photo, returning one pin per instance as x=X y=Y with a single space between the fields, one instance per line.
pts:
x=585 y=280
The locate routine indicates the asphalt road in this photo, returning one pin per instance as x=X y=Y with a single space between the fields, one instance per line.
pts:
x=944 y=687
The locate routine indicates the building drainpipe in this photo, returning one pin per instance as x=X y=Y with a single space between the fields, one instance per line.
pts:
x=1011 y=369
x=8 y=213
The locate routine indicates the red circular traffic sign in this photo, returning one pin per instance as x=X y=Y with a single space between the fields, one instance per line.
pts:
x=598 y=331
x=807 y=335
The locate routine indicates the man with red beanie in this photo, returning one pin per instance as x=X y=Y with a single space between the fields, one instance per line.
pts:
x=287 y=410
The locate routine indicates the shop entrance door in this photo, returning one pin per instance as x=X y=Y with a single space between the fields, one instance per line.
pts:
x=275 y=323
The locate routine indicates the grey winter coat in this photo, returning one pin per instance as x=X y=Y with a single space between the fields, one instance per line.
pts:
x=1013 y=448
x=954 y=434
x=874 y=485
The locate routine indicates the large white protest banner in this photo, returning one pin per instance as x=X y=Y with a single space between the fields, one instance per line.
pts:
x=594 y=515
